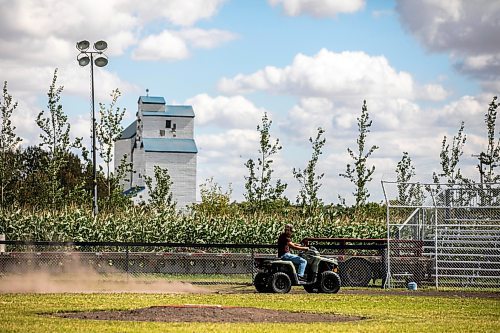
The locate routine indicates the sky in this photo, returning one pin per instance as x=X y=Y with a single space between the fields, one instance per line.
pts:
x=423 y=67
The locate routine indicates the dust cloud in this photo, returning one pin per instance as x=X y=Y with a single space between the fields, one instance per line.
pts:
x=81 y=279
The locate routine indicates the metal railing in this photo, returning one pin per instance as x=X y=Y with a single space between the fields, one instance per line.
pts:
x=458 y=227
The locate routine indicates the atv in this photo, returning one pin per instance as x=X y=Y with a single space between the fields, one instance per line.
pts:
x=278 y=276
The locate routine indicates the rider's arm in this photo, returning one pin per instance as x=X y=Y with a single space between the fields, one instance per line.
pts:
x=297 y=246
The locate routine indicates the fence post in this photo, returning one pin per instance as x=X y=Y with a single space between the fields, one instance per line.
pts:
x=2 y=246
x=252 y=264
x=126 y=259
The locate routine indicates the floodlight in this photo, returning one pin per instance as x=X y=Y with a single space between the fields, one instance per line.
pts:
x=83 y=45
x=100 y=45
x=83 y=59
x=101 y=61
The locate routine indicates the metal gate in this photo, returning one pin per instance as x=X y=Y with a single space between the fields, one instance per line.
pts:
x=443 y=235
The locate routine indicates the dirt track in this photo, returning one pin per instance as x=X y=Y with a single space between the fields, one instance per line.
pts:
x=208 y=313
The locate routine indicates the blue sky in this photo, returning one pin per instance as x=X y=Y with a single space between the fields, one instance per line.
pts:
x=422 y=66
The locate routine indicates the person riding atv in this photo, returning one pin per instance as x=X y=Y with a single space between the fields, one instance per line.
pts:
x=284 y=245
x=279 y=275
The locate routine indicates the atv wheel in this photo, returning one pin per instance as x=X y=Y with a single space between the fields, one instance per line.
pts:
x=280 y=283
x=356 y=272
x=260 y=282
x=311 y=288
x=329 y=282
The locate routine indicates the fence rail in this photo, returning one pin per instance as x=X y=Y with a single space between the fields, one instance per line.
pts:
x=361 y=261
x=459 y=227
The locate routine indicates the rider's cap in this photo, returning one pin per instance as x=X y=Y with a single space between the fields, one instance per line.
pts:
x=289 y=226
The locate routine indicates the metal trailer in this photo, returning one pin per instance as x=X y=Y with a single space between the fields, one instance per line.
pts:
x=364 y=261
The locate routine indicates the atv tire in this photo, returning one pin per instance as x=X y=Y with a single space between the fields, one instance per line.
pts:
x=280 y=283
x=329 y=282
x=356 y=272
x=261 y=282
x=311 y=288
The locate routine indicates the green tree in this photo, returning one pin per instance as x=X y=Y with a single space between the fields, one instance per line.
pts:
x=360 y=174
x=214 y=201
x=450 y=157
x=259 y=190
x=31 y=185
x=308 y=179
x=55 y=136
x=408 y=193
x=8 y=143
x=108 y=131
x=490 y=159
x=160 y=190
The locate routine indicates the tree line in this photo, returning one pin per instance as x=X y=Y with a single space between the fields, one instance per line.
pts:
x=58 y=172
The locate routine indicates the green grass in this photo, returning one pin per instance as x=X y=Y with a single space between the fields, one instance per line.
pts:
x=385 y=313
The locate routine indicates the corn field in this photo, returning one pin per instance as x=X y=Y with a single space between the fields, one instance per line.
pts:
x=137 y=224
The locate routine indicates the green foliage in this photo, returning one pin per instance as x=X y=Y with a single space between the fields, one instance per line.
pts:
x=490 y=159
x=451 y=158
x=108 y=131
x=214 y=201
x=142 y=224
x=55 y=135
x=308 y=179
x=360 y=174
x=260 y=193
x=9 y=164
x=160 y=190
x=408 y=193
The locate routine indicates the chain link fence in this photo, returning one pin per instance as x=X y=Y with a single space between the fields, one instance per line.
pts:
x=443 y=235
x=361 y=262
x=192 y=263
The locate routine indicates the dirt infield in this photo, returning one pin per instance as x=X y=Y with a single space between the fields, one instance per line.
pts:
x=208 y=314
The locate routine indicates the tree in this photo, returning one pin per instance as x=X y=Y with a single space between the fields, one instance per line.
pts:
x=308 y=179
x=408 y=193
x=8 y=143
x=359 y=174
x=108 y=130
x=259 y=190
x=31 y=186
x=160 y=190
x=55 y=135
x=490 y=159
x=451 y=158
x=214 y=201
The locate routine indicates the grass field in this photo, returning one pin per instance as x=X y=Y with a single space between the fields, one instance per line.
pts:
x=383 y=313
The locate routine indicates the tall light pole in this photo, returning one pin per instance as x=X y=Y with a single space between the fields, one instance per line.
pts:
x=84 y=58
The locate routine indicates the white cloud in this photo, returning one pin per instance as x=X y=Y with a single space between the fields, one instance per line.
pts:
x=225 y=112
x=206 y=39
x=433 y=92
x=304 y=119
x=318 y=8
x=326 y=74
x=175 y=45
x=466 y=29
x=165 y=45
x=178 y=12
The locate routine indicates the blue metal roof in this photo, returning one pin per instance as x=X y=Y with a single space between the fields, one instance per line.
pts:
x=172 y=111
x=129 y=132
x=151 y=100
x=170 y=145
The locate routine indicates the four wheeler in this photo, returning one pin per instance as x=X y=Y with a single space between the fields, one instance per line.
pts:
x=278 y=276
